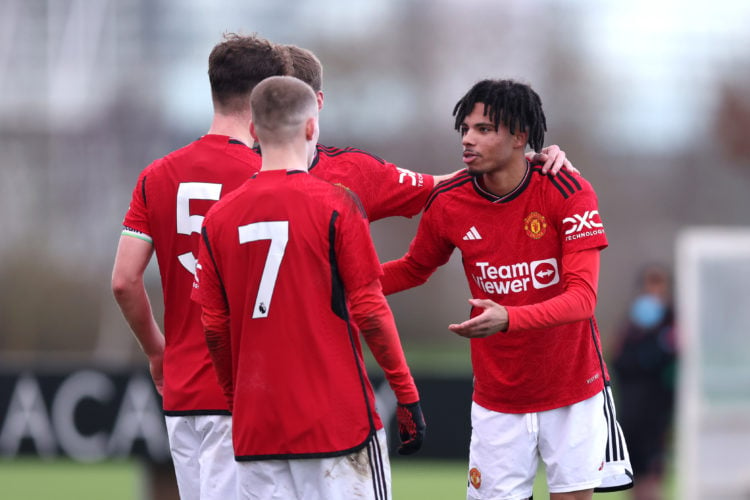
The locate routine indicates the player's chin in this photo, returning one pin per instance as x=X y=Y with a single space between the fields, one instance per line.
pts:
x=474 y=171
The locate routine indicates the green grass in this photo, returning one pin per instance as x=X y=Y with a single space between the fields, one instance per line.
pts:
x=446 y=480
x=412 y=479
x=34 y=479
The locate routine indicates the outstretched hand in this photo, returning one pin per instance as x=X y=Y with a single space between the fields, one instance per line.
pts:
x=493 y=319
x=553 y=159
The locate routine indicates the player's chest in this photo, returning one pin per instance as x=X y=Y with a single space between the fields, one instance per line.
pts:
x=511 y=229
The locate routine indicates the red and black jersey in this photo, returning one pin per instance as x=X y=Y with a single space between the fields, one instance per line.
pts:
x=512 y=249
x=384 y=189
x=281 y=254
x=167 y=207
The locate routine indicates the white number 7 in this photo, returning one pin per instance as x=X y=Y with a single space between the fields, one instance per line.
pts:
x=278 y=233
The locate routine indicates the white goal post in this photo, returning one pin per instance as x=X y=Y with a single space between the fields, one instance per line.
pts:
x=712 y=272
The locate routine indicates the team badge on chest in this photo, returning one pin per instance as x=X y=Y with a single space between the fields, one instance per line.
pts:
x=535 y=225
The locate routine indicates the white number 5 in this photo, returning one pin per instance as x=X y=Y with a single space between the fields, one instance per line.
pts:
x=186 y=223
x=278 y=233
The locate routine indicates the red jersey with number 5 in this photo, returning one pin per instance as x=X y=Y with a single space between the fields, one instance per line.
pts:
x=280 y=254
x=167 y=207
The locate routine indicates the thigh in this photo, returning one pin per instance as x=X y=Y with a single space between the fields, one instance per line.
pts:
x=572 y=442
x=502 y=455
x=218 y=469
x=184 y=446
x=265 y=480
x=364 y=474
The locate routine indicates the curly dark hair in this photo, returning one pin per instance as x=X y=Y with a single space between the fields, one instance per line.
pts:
x=513 y=104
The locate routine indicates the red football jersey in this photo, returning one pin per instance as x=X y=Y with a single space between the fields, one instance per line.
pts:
x=167 y=207
x=512 y=248
x=284 y=249
x=384 y=189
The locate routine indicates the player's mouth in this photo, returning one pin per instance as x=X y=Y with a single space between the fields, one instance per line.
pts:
x=469 y=156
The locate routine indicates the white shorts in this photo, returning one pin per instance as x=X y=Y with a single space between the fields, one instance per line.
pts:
x=203 y=457
x=364 y=474
x=506 y=447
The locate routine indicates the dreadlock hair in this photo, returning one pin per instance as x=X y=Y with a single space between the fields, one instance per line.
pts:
x=513 y=104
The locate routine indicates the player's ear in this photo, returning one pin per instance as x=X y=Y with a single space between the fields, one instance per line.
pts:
x=319 y=98
x=253 y=134
x=520 y=139
x=311 y=128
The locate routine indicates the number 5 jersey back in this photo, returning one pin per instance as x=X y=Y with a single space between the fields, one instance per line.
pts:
x=167 y=207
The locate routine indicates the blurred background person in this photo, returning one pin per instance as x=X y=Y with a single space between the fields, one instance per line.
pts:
x=644 y=359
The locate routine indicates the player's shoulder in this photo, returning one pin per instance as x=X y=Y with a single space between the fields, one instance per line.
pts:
x=448 y=187
x=348 y=153
x=565 y=184
x=332 y=194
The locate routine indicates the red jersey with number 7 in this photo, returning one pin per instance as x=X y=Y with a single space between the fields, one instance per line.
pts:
x=280 y=254
x=167 y=207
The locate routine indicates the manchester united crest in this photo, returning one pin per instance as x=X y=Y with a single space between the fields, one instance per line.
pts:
x=475 y=477
x=535 y=225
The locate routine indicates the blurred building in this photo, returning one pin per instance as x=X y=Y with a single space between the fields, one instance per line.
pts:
x=94 y=90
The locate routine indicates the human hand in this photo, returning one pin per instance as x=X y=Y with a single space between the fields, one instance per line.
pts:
x=493 y=319
x=553 y=159
x=411 y=427
x=155 y=367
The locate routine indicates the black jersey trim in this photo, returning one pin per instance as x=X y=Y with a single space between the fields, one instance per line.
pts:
x=334 y=151
x=188 y=413
x=515 y=193
x=143 y=190
x=447 y=185
x=565 y=173
x=340 y=308
x=292 y=456
x=338 y=296
x=204 y=235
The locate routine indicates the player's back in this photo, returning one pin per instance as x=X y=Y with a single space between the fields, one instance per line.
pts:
x=384 y=189
x=169 y=202
x=286 y=247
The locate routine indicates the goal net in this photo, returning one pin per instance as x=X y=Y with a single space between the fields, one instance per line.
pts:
x=713 y=412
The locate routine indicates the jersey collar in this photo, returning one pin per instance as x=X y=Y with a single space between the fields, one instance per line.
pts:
x=481 y=191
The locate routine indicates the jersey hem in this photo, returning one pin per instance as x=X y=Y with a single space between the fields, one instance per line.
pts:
x=187 y=413
x=536 y=408
x=295 y=456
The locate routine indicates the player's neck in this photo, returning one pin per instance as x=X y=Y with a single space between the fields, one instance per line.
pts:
x=504 y=180
x=283 y=158
x=234 y=126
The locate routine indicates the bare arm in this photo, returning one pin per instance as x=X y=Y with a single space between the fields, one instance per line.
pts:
x=133 y=255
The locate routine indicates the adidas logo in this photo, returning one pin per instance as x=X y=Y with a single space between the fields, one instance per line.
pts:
x=473 y=234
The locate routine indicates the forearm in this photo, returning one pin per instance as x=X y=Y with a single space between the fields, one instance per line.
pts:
x=402 y=274
x=374 y=318
x=136 y=308
x=576 y=303
x=216 y=328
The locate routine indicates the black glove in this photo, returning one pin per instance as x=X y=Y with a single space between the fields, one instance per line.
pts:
x=411 y=427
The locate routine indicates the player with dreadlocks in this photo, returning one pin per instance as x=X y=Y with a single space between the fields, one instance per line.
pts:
x=530 y=248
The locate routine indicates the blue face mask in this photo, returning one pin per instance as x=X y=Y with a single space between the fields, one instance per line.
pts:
x=647 y=311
